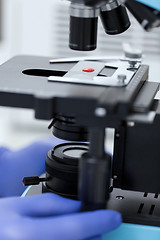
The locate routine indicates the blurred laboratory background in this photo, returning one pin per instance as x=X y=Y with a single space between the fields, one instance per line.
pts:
x=40 y=27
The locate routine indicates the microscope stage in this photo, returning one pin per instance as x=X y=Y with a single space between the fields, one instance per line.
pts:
x=26 y=82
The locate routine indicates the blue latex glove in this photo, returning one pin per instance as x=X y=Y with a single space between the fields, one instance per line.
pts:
x=151 y=3
x=49 y=216
x=29 y=161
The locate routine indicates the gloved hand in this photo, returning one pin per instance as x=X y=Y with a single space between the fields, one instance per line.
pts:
x=29 y=161
x=49 y=216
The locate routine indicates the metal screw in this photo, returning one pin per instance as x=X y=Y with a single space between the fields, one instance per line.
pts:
x=131 y=124
x=132 y=63
x=100 y=112
x=121 y=78
x=115 y=177
x=117 y=135
x=120 y=197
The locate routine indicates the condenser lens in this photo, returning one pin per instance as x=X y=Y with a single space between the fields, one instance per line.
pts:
x=74 y=152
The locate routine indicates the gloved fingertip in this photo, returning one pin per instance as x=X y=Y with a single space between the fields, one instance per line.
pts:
x=115 y=217
x=118 y=219
x=108 y=220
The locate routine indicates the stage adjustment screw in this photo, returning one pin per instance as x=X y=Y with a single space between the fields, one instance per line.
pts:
x=121 y=78
x=100 y=112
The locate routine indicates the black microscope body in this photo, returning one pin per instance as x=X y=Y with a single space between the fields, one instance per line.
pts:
x=82 y=99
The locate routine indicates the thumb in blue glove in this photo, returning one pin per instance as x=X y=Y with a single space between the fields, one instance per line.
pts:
x=49 y=216
x=29 y=161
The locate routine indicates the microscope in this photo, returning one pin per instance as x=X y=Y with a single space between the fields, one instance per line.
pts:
x=84 y=96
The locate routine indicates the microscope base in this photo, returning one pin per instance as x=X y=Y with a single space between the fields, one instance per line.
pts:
x=140 y=213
